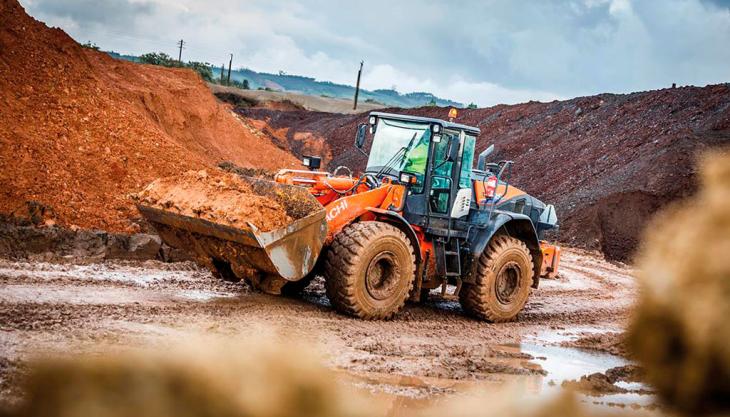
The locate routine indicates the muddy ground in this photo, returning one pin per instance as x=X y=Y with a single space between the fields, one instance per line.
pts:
x=428 y=351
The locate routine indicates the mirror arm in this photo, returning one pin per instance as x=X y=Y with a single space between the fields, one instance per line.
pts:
x=506 y=164
x=499 y=177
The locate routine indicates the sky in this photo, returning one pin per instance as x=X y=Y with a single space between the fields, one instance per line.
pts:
x=473 y=51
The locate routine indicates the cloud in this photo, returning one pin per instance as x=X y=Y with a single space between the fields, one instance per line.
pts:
x=455 y=87
x=485 y=52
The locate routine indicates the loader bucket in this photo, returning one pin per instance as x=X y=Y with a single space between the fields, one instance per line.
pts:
x=268 y=260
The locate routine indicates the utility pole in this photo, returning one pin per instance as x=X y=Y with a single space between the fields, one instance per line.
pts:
x=179 y=55
x=223 y=71
x=229 y=70
x=357 y=86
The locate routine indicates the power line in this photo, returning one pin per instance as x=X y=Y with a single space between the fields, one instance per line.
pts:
x=357 y=86
x=230 y=63
x=179 y=56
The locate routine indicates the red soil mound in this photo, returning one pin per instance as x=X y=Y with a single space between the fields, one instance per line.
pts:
x=607 y=162
x=80 y=130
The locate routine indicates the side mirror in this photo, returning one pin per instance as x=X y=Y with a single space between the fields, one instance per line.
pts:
x=360 y=136
x=453 y=152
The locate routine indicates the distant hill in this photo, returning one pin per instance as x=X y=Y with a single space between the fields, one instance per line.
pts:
x=124 y=57
x=312 y=87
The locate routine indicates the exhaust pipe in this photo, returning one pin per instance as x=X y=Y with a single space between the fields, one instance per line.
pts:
x=482 y=162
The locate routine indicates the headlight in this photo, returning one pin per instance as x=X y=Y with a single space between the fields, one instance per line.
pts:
x=407 y=178
x=312 y=162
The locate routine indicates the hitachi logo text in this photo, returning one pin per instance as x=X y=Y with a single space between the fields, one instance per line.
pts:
x=336 y=210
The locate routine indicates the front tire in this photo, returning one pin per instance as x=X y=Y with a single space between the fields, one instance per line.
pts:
x=503 y=280
x=369 y=270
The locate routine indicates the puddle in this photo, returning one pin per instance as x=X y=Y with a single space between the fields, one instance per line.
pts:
x=137 y=275
x=555 y=364
x=558 y=336
x=90 y=295
x=203 y=295
x=564 y=364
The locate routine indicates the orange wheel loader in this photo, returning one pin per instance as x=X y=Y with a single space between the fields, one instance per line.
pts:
x=418 y=218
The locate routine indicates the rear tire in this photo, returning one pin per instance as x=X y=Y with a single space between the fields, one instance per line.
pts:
x=503 y=280
x=369 y=270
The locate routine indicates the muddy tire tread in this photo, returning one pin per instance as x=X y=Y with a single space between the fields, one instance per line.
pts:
x=342 y=260
x=474 y=297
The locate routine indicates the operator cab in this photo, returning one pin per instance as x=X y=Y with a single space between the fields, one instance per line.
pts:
x=433 y=156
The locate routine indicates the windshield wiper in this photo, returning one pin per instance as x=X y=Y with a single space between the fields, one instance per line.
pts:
x=407 y=149
x=392 y=159
x=403 y=150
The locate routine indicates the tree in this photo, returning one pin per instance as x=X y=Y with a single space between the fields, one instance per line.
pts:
x=243 y=85
x=90 y=45
x=471 y=106
x=432 y=103
x=202 y=68
x=159 y=58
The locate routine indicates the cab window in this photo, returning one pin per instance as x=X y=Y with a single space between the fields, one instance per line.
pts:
x=467 y=159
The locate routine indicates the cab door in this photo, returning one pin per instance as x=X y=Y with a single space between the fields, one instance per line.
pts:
x=450 y=188
x=441 y=178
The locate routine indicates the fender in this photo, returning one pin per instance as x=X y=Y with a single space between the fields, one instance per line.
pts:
x=398 y=221
x=515 y=225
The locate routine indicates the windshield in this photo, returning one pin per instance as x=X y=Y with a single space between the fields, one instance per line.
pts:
x=392 y=136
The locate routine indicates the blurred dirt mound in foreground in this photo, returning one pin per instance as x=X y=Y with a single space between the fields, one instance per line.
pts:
x=681 y=327
x=607 y=162
x=80 y=130
x=249 y=379
x=261 y=379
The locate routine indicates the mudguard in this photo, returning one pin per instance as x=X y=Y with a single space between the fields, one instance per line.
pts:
x=401 y=223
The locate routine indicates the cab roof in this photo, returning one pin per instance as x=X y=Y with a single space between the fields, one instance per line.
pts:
x=443 y=123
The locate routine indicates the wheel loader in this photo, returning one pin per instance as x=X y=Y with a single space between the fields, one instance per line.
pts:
x=419 y=218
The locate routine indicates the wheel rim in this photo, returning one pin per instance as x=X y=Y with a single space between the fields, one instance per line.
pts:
x=381 y=277
x=508 y=282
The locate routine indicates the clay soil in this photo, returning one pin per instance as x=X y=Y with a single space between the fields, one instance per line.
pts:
x=427 y=351
x=607 y=162
x=217 y=196
x=79 y=131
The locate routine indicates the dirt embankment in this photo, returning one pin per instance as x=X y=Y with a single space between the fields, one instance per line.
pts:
x=79 y=130
x=286 y=100
x=607 y=162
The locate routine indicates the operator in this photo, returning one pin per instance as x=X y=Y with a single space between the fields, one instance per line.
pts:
x=418 y=156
